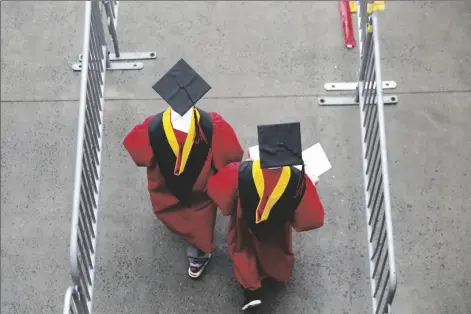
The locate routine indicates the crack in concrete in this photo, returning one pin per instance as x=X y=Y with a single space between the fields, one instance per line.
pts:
x=387 y=92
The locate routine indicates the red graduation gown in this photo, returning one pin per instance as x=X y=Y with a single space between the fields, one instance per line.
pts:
x=195 y=224
x=254 y=260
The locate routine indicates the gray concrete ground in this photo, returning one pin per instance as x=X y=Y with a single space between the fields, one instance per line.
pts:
x=266 y=63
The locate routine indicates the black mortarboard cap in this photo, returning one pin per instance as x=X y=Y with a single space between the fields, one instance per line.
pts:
x=280 y=145
x=181 y=87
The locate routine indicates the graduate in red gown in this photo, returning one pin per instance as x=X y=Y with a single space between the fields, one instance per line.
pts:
x=266 y=199
x=181 y=148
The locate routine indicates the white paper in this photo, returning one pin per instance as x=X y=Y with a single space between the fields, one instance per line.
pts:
x=254 y=153
x=314 y=158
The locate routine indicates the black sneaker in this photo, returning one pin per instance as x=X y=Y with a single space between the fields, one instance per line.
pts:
x=252 y=299
x=196 y=270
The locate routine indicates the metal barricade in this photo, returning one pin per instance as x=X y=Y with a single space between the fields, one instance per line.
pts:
x=72 y=304
x=116 y=60
x=376 y=175
x=369 y=96
x=78 y=298
x=93 y=63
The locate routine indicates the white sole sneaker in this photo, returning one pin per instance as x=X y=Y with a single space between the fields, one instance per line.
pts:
x=200 y=271
x=251 y=305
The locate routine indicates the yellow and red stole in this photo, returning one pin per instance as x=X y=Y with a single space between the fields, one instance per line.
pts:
x=181 y=164
x=266 y=215
x=262 y=214
x=181 y=153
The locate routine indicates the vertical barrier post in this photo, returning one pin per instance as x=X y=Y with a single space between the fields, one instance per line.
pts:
x=117 y=60
x=84 y=225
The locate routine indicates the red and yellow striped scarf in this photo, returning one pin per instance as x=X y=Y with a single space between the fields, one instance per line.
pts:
x=265 y=205
x=182 y=152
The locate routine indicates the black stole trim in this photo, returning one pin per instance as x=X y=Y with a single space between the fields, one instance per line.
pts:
x=283 y=210
x=181 y=186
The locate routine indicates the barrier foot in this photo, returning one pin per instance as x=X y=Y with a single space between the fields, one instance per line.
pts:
x=350 y=100
x=346 y=86
x=77 y=67
x=129 y=56
x=118 y=63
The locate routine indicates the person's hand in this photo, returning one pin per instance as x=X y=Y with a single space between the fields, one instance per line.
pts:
x=314 y=179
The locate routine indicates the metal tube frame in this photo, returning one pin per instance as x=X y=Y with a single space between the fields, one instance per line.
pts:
x=371 y=100
x=85 y=205
x=383 y=280
x=117 y=59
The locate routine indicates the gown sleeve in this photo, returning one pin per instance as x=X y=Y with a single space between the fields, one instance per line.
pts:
x=137 y=144
x=310 y=213
x=223 y=188
x=225 y=145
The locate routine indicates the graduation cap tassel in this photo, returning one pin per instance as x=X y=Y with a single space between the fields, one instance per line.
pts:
x=199 y=132
x=178 y=163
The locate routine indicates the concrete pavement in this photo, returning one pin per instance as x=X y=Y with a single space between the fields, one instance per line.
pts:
x=271 y=60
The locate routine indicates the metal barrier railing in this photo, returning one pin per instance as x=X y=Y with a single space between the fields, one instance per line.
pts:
x=376 y=176
x=93 y=64
x=72 y=303
x=78 y=298
x=369 y=96
x=116 y=60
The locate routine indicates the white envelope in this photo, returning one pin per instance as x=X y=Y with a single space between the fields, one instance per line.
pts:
x=254 y=153
x=314 y=158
